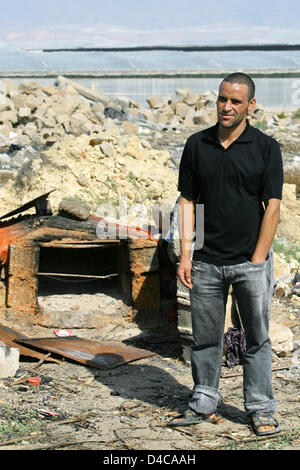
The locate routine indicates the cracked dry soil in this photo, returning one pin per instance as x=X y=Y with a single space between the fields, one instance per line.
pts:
x=128 y=407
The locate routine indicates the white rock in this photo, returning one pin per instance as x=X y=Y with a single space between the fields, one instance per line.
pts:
x=281 y=337
x=24 y=112
x=107 y=149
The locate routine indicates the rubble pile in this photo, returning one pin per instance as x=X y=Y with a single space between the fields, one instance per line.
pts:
x=78 y=141
x=97 y=169
x=190 y=109
x=35 y=114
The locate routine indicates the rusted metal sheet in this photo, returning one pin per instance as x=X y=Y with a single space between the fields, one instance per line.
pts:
x=9 y=234
x=101 y=355
x=8 y=336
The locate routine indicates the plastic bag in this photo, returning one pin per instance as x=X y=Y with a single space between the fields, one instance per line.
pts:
x=234 y=346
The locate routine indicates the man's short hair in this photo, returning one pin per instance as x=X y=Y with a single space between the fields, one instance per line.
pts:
x=242 y=79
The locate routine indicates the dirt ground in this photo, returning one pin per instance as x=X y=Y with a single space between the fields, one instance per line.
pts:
x=127 y=408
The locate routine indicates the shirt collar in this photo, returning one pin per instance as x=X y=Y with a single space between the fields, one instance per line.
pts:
x=246 y=136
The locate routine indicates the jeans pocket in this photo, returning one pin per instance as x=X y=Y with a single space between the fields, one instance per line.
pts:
x=257 y=264
x=198 y=265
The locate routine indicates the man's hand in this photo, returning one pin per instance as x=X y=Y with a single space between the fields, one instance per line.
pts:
x=184 y=272
x=267 y=230
x=186 y=223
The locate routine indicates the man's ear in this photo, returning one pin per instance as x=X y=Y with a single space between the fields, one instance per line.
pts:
x=252 y=104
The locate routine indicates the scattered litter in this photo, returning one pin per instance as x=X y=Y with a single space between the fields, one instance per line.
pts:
x=34 y=380
x=20 y=373
x=62 y=333
x=45 y=380
x=20 y=380
x=89 y=380
x=47 y=412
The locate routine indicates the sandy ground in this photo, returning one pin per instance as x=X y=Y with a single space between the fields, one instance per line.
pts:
x=127 y=408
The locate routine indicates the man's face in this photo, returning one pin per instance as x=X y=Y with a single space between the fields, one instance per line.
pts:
x=233 y=104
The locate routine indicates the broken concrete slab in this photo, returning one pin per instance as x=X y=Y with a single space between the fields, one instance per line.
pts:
x=82 y=90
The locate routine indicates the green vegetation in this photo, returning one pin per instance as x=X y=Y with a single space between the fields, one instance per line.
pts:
x=282 y=115
x=288 y=251
x=261 y=125
x=276 y=442
x=14 y=423
x=296 y=114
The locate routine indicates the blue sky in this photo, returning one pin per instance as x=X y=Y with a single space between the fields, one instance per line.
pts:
x=88 y=22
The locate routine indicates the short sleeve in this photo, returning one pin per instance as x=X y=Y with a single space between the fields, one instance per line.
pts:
x=186 y=178
x=273 y=174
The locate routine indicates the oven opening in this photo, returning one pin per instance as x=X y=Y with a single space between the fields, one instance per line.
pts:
x=80 y=281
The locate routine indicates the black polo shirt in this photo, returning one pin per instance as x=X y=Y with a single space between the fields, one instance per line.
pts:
x=231 y=184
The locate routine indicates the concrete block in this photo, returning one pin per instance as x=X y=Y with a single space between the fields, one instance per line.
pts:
x=130 y=128
x=29 y=87
x=23 y=260
x=9 y=361
x=24 y=112
x=182 y=93
x=36 y=103
x=189 y=118
x=182 y=109
x=30 y=129
x=11 y=87
x=164 y=118
x=146 y=292
x=186 y=343
x=184 y=316
x=143 y=258
x=67 y=105
x=191 y=99
x=154 y=102
x=10 y=116
x=21 y=293
x=2 y=294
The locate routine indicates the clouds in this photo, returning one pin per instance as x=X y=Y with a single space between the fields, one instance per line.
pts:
x=152 y=14
x=75 y=23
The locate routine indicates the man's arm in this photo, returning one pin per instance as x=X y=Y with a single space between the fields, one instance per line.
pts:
x=267 y=230
x=186 y=229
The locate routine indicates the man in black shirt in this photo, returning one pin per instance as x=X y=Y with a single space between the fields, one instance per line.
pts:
x=235 y=171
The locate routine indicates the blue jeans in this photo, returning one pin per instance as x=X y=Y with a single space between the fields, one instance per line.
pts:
x=251 y=285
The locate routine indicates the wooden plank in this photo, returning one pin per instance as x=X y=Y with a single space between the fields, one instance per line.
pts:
x=78 y=244
x=75 y=246
x=77 y=275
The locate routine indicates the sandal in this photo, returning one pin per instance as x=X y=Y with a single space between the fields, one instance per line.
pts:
x=263 y=419
x=191 y=417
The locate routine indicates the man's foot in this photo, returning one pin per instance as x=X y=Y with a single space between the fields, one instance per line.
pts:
x=264 y=424
x=190 y=417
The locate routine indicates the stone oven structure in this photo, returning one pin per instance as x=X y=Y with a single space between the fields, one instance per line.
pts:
x=33 y=246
